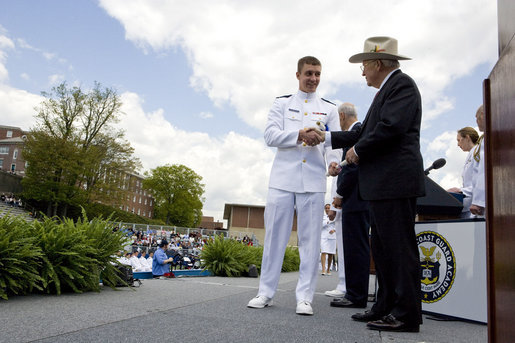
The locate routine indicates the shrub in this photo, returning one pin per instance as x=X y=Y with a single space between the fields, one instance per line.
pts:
x=225 y=257
x=107 y=243
x=291 y=261
x=75 y=254
x=228 y=257
x=67 y=263
x=20 y=260
x=256 y=255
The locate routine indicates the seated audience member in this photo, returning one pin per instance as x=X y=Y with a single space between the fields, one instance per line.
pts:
x=124 y=259
x=467 y=138
x=160 y=263
x=150 y=258
x=135 y=263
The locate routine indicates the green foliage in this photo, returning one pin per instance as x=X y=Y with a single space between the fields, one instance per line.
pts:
x=107 y=243
x=69 y=263
x=75 y=254
x=74 y=154
x=58 y=256
x=225 y=257
x=19 y=258
x=255 y=255
x=228 y=257
x=177 y=191
x=104 y=211
x=291 y=261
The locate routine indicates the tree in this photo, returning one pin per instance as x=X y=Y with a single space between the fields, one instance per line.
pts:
x=177 y=191
x=74 y=154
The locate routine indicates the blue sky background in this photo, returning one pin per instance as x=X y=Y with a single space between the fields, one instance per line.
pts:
x=197 y=78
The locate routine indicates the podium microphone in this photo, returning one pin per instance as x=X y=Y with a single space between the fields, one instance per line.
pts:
x=439 y=163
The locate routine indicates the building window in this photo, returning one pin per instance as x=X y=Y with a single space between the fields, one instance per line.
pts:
x=4 y=150
x=1 y=163
x=15 y=154
x=13 y=167
x=145 y=201
x=140 y=200
x=134 y=199
x=9 y=134
x=139 y=211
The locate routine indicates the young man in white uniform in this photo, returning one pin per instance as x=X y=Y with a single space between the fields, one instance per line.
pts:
x=297 y=182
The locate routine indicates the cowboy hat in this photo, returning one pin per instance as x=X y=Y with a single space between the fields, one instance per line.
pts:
x=378 y=48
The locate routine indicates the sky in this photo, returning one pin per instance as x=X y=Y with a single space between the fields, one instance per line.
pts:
x=197 y=78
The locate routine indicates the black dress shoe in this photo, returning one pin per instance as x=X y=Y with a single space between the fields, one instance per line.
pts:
x=366 y=316
x=344 y=302
x=390 y=323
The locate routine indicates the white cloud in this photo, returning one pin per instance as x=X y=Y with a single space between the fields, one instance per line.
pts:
x=234 y=168
x=5 y=44
x=245 y=53
x=55 y=79
x=206 y=115
x=17 y=107
x=25 y=76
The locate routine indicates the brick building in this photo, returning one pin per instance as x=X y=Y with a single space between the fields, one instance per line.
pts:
x=250 y=218
x=209 y=223
x=138 y=200
x=12 y=140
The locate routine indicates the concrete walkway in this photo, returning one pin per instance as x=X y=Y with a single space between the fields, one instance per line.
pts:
x=202 y=309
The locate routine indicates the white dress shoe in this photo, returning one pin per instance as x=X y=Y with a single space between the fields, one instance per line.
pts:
x=304 y=308
x=335 y=293
x=259 y=301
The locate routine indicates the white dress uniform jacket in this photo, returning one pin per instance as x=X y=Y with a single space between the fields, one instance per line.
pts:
x=327 y=226
x=298 y=167
x=467 y=174
x=478 y=176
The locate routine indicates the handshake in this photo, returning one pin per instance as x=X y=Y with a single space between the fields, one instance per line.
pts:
x=311 y=136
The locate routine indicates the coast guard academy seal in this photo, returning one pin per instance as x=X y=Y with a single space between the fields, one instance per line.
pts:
x=437 y=266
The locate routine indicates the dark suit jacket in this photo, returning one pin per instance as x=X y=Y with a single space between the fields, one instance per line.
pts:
x=388 y=144
x=347 y=184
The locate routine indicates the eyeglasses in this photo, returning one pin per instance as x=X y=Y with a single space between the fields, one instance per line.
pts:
x=362 y=67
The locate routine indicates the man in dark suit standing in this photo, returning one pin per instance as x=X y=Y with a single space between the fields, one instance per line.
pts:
x=390 y=178
x=355 y=223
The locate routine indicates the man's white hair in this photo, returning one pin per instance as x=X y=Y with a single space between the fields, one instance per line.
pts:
x=391 y=63
x=349 y=109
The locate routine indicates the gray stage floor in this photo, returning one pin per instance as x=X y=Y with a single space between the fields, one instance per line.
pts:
x=202 y=309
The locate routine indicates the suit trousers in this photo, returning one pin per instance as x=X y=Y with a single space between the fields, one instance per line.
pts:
x=355 y=227
x=397 y=260
x=278 y=217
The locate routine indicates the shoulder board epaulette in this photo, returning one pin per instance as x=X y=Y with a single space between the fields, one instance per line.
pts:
x=284 y=96
x=332 y=103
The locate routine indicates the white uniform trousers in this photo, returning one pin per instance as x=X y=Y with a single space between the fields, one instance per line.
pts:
x=339 y=250
x=279 y=212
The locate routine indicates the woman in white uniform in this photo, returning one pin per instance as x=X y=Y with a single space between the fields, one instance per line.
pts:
x=467 y=138
x=327 y=242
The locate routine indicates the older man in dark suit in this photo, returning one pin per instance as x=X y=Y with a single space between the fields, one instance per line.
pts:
x=355 y=223
x=390 y=178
